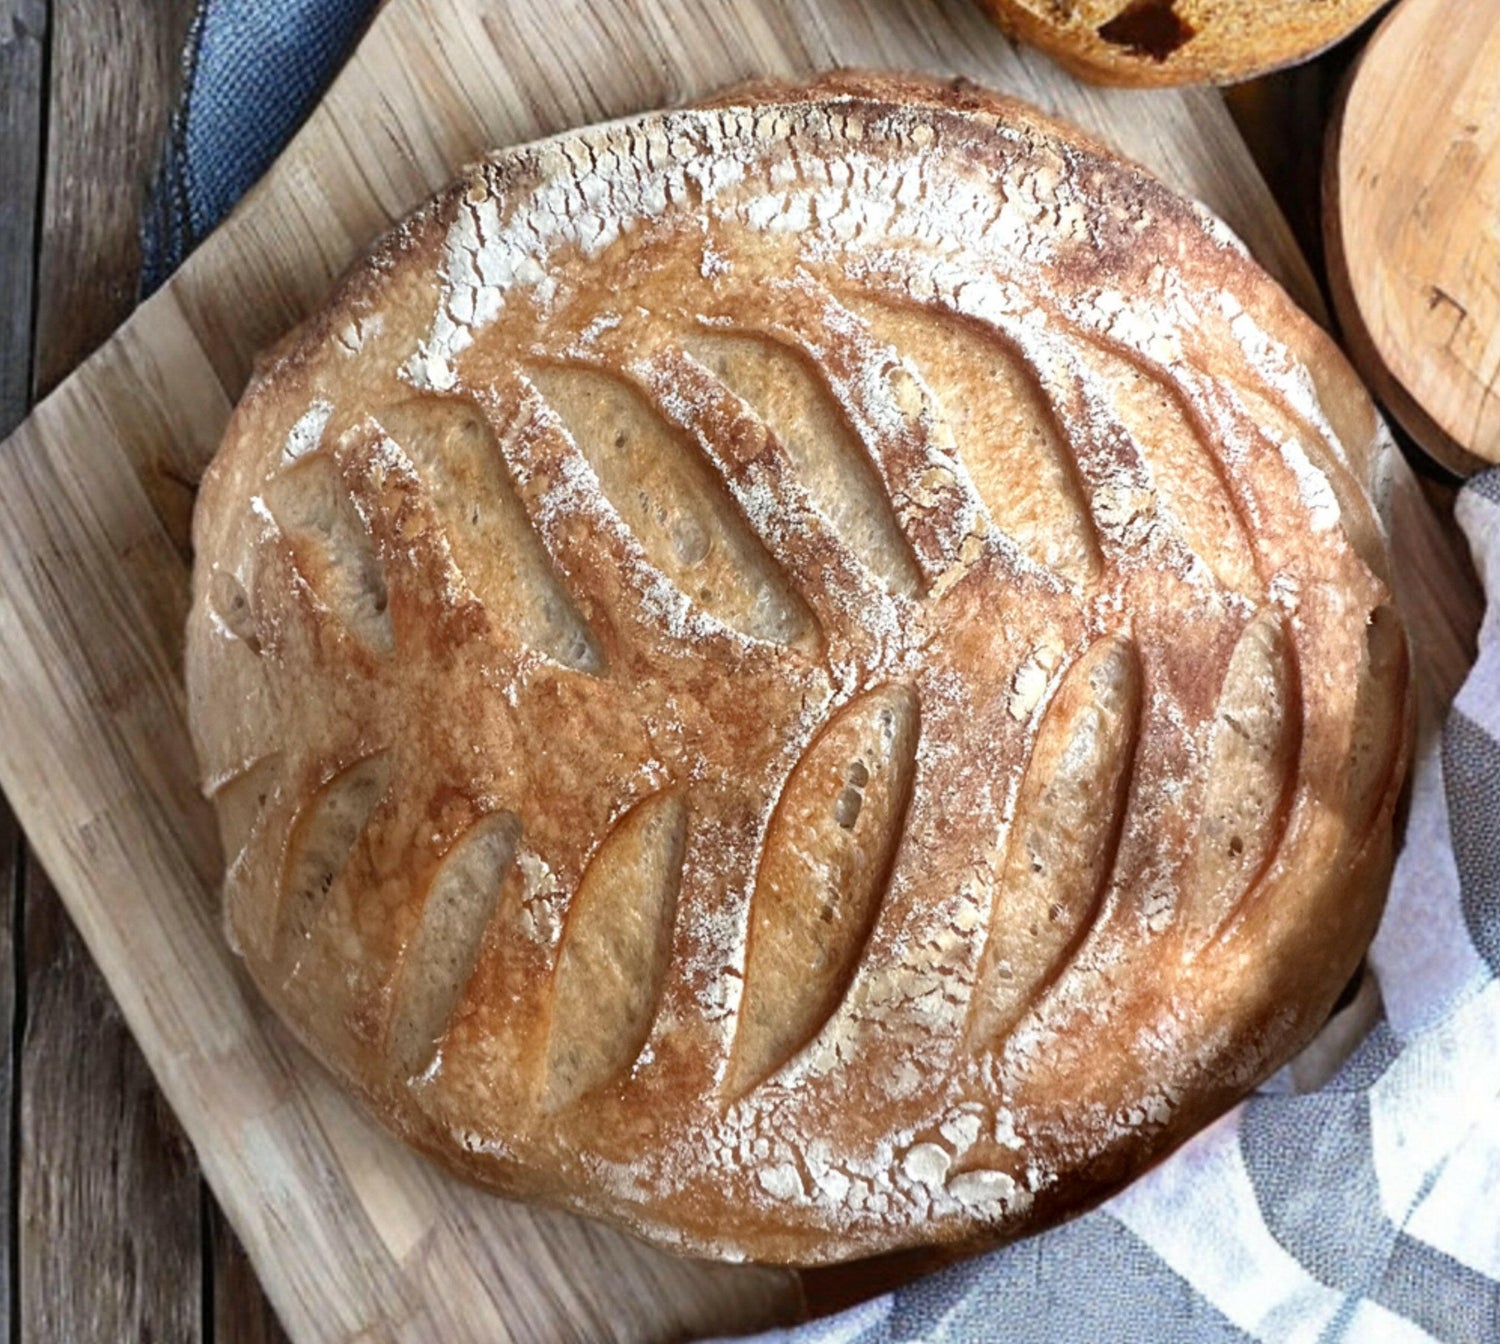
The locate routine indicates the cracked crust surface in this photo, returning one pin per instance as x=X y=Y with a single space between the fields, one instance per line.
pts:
x=808 y=675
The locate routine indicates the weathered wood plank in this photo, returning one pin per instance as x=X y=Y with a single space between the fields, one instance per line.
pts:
x=108 y=1233
x=11 y=863
x=23 y=38
x=115 y=69
x=241 y=1314
x=115 y=74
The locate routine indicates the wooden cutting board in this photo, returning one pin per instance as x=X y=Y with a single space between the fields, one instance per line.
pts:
x=1413 y=224
x=354 y=1238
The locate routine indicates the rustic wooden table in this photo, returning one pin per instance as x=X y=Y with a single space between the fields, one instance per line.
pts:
x=109 y=1233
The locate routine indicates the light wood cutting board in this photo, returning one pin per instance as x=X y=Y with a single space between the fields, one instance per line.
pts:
x=1413 y=224
x=354 y=1238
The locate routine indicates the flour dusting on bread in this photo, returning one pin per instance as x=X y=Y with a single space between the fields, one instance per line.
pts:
x=783 y=673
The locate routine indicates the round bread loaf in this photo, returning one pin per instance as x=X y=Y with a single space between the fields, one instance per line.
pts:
x=807 y=675
x=1160 y=42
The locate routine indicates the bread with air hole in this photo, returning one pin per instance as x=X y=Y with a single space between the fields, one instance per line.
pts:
x=1173 y=42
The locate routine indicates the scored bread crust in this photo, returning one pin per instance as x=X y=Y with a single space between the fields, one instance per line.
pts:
x=807 y=675
x=1160 y=43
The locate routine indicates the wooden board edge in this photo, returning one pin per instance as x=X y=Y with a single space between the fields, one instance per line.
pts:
x=1359 y=342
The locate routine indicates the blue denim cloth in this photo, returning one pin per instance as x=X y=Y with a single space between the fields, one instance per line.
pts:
x=253 y=71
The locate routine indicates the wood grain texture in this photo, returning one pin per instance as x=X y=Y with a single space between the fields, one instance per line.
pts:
x=12 y=864
x=238 y=1310
x=115 y=66
x=354 y=1237
x=109 y=1243
x=112 y=79
x=1413 y=225
x=23 y=39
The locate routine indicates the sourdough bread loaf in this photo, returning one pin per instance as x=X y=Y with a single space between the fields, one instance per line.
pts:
x=807 y=675
x=1162 y=42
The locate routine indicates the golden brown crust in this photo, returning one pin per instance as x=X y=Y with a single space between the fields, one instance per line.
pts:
x=809 y=675
x=1162 y=43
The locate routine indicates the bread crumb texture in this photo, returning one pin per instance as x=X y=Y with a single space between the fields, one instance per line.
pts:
x=1172 y=42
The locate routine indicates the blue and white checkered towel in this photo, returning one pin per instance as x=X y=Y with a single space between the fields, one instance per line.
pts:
x=1367 y=1210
